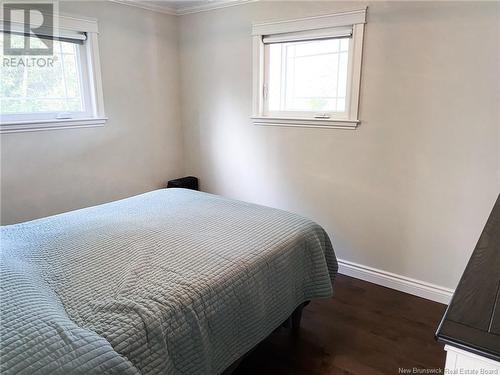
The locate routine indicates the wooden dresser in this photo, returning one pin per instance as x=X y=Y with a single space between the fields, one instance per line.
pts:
x=470 y=328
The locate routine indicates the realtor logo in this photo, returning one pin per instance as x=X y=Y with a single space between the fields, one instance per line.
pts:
x=28 y=28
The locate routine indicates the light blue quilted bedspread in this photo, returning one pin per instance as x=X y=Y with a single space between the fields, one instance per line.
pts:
x=168 y=282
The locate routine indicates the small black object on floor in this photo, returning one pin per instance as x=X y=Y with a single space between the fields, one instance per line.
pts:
x=189 y=182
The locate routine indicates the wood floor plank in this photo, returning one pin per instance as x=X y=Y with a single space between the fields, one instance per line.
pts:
x=365 y=329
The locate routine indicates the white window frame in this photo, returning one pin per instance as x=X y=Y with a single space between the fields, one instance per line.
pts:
x=90 y=79
x=347 y=120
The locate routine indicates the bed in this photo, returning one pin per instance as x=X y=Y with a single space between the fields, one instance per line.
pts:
x=173 y=281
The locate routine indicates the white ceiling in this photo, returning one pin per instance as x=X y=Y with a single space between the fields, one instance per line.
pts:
x=180 y=7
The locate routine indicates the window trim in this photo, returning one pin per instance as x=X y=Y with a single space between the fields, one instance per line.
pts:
x=33 y=125
x=96 y=114
x=354 y=18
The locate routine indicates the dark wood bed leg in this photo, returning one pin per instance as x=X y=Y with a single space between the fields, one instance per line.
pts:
x=292 y=322
x=288 y=322
x=297 y=316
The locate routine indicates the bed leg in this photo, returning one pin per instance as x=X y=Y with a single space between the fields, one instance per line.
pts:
x=297 y=316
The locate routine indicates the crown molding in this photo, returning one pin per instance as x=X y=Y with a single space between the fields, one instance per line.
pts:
x=167 y=9
x=148 y=6
x=212 y=6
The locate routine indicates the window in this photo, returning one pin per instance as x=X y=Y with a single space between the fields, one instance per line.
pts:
x=47 y=89
x=307 y=77
x=59 y=90
x=307 y=71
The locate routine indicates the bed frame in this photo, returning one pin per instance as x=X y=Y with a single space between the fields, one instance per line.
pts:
x=292 y=322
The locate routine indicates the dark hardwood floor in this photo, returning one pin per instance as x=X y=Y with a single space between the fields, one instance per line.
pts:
x=365 y=329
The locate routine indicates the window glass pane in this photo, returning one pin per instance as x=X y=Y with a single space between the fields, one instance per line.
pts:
x=341 y=105
x=314 y=48
x=36 y=42
x=17 y=41
x=342 y=75
x=344 y=44
x=275 y=70
x=35 y=84
x=308 y=76
x=67 y=48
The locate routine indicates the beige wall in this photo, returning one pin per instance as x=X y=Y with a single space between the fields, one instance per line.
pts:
x=140 y=147
x=410 y=190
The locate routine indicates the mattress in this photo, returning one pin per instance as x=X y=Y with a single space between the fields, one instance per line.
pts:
x=168 y=282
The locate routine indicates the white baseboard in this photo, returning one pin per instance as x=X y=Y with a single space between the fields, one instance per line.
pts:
x=402 y=283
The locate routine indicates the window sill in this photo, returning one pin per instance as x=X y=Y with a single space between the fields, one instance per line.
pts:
x=30 y=126
x=305 y=122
